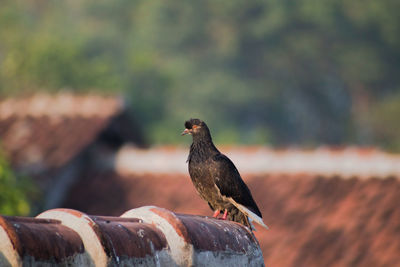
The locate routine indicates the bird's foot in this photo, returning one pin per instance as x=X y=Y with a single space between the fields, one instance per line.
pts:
x=225 y=215
x=216 y=213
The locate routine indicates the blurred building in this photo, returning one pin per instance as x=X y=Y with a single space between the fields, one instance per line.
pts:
x=325 y=206
x=56 y=138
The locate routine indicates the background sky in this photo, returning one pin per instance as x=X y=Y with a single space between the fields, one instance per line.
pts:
x=270 y=72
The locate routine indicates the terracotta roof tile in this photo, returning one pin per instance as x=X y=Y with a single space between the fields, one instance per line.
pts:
x=60 y=105
x=314 y=220
x=345 y=162
x=43 y=131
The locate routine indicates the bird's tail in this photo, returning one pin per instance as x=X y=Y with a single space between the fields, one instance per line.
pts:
x=249 y=223
x=251 y=215
x=236 y=215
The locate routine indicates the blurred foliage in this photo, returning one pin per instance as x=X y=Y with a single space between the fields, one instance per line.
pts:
x=386 y=122
x=278 y=72
x=14 y=191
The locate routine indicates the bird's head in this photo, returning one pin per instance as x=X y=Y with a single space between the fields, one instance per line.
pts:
x=195 y=127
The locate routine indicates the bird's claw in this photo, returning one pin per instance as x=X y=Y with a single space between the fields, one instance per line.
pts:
x=225 y=215
x=216 y=213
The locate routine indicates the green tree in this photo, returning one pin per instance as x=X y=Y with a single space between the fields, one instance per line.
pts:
x=278 y=72
x=14 y=191
x=385 y=122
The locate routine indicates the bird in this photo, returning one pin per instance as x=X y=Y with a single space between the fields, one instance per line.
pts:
x=217 y=180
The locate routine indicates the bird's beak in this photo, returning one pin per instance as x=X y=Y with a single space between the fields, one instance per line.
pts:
x=186 y=131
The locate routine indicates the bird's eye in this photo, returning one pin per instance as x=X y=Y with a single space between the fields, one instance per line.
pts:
x=188 y=125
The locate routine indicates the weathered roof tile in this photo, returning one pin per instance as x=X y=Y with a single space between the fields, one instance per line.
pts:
x=142 y=237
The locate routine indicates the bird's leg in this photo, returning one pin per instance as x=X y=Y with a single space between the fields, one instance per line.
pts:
x=225 y=214
x=216 y=213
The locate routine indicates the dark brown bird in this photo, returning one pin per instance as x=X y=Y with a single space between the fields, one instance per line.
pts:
x=217 y=180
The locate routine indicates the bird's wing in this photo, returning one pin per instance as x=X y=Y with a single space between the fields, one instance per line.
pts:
x=231 y=186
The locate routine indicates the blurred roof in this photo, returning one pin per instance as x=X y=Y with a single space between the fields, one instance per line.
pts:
x=60 y=105
x=44 y=131
x=313 y=220
x=324 y=161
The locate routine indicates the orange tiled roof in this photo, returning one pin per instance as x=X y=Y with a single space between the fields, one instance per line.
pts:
x=60 y=105
x=313 y=220
x=325 y=161
x=46 y=131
